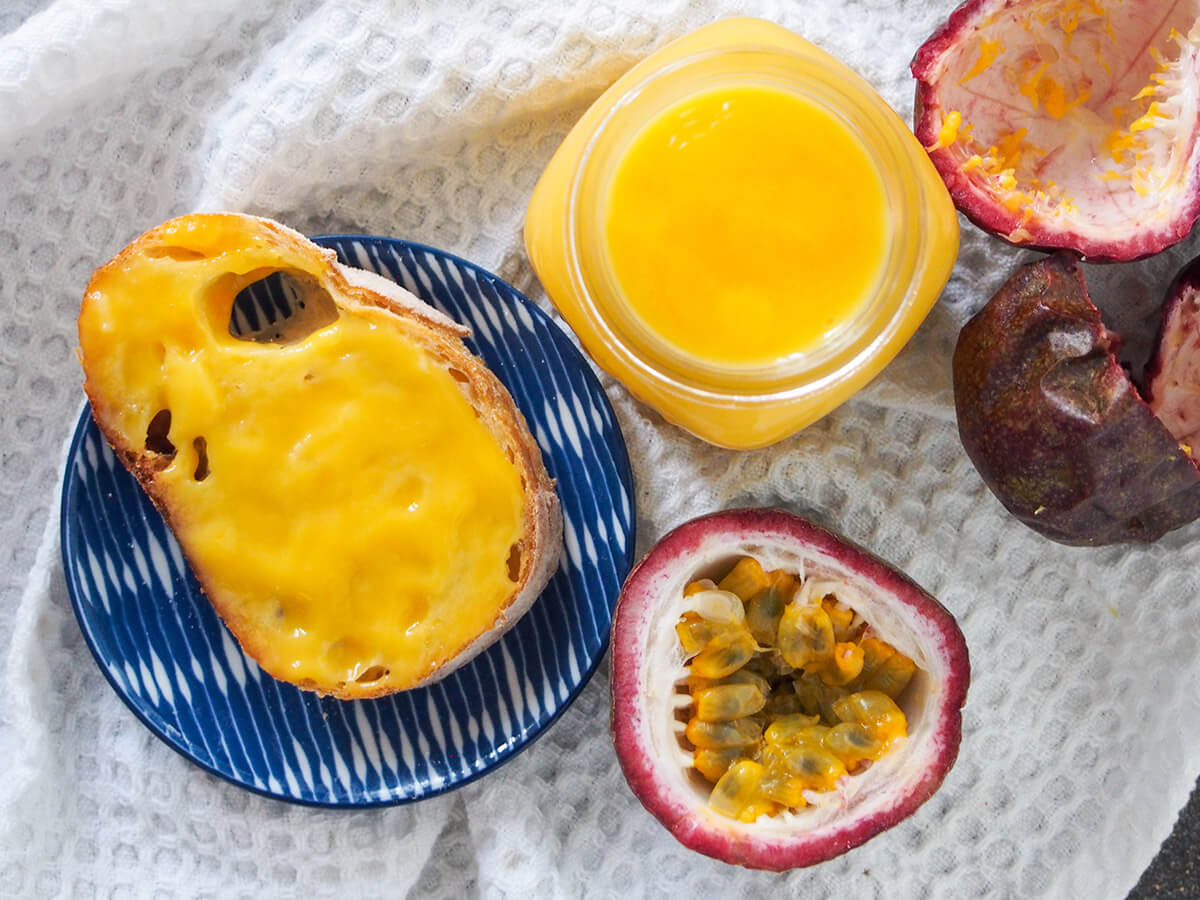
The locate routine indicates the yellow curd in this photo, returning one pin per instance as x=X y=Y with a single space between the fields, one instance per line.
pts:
x=744 y=224
x=742 y=232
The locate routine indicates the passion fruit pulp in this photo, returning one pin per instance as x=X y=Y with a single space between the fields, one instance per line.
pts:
x=787 y=691
x=1054 y=425
x=1067 y=123
x=662 y=679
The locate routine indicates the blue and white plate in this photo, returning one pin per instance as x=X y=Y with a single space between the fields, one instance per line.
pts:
x=169 y=657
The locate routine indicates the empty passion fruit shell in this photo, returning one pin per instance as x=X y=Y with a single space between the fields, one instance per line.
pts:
x=847 y=697
x=1067 y=123
x=1053 y=423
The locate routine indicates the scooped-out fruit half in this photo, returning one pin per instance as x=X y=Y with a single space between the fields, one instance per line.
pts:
x=781 y=696
x=1067 y=123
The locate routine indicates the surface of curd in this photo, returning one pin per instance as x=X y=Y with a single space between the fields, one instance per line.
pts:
x=745 y=224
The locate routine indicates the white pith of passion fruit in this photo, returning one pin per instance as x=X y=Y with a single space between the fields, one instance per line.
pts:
x=648 y=662
x=1067 y=123
x=1173 y=373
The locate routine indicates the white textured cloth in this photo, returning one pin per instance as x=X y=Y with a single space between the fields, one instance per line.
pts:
x=431 y=122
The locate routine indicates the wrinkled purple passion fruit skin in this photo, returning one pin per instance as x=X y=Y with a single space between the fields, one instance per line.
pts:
x=1053 y=424
x=1173 y=374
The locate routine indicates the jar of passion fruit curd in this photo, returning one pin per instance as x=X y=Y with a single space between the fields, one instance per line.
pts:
x=742 y=232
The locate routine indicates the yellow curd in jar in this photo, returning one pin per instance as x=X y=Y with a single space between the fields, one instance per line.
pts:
x=742 y=232
x=744 y=224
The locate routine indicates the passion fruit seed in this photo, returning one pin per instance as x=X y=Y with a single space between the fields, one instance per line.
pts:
x=745 y=676
x=746 y=579
x=727 y=652
x=737 y=788
x=875 y=710
x=739 y=794
x=852 y=743
x=695 y=632
x=765 y=609
x=891 y=676
x=811 y=764
x=722 y=735
x=792 y=729
x=806 y=636
x=726 y=702
x=875 y=654
x=842 y=618
x=718 y=606
x=712 y=762
x=816 y=696
x=786 y=790
x=788 y=696
x=846 y=664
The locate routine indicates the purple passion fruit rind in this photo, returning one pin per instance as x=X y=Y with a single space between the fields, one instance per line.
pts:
x=648 y=663
x=1173 y=374
x=1053 y=424
x=1060 y=124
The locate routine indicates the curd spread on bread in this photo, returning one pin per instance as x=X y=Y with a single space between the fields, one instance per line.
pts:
x=339 y=483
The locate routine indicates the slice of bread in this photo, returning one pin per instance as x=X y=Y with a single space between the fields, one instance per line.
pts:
x=356 y=492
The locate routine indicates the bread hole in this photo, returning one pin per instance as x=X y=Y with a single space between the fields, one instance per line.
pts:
x=201 y=447
x=174 y=252
x=372 y=674
x=514 y=563
x=457 y=375
x=156 y=434
x=280 y=307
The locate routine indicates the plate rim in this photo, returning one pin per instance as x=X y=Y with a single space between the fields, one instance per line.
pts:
x=513 y=748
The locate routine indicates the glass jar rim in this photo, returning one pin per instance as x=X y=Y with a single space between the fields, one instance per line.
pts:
x=862 y=337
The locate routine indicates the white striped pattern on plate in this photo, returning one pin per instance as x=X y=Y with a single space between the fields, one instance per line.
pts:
x=169 y=657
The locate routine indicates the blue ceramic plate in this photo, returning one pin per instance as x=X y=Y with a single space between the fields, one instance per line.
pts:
x=173 y=662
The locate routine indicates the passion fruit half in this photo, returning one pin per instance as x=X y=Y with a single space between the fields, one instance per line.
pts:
x=1054 y=425
x=1173 y=373
x=1067 y=123
x=780 y=695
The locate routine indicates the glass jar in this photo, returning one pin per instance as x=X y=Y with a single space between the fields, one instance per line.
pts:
x=730 y=405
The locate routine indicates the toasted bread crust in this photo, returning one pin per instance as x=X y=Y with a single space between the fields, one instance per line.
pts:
x=441 y=338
